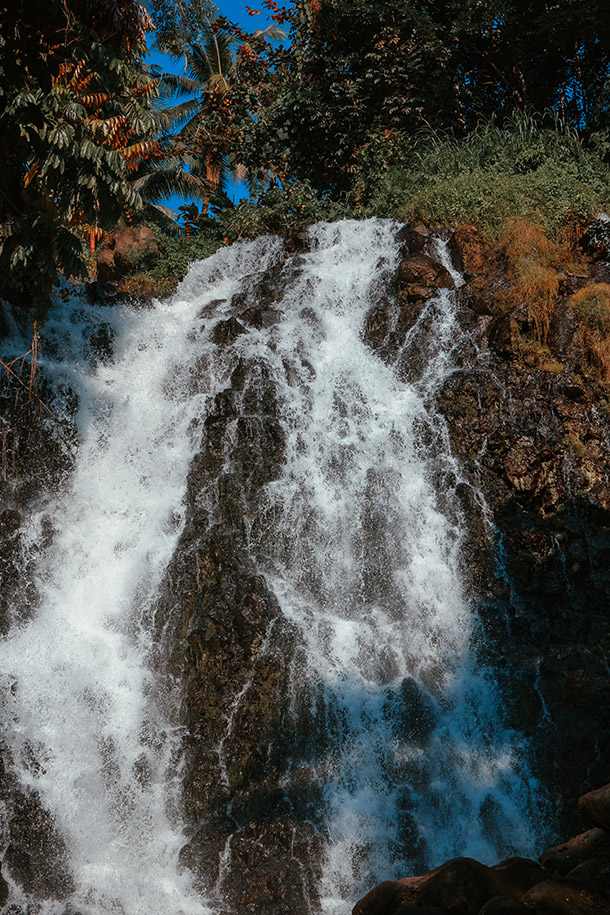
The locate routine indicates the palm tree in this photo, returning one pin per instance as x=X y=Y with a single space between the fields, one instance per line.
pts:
x=201 y=127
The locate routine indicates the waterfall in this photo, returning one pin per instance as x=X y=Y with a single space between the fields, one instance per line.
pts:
x=364 y=555
x=359 y=538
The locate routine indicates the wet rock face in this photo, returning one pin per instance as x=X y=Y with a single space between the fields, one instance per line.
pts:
x=35 y=857
x=253 y=845
x=533 y=436
x=536 y=441
x=33 y=464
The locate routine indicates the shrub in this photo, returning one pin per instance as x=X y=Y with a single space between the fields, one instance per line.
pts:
x=524 y=168
x=279 y=208
x=177 y=253
x=591 y=305
x=532 y=261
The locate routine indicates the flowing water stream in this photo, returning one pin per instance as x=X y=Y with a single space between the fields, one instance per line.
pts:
x=359 y=538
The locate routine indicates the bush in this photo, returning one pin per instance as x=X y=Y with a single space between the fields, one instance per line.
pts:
x=532 y=261
x=591 y=306
x=177 y=254
x=279 y=208
x=525 y=168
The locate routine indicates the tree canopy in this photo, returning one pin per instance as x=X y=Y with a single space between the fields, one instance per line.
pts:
x=76 y=118
x=356 y=69
x=89 y=132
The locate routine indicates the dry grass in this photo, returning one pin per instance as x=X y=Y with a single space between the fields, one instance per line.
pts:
x=591 y=305
x=533 y=259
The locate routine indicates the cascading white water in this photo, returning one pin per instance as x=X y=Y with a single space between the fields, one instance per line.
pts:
x=81 y=716
x=358 y=552
x=362 y=558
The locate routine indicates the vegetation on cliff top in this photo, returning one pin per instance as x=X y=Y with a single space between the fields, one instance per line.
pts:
x=416 y=109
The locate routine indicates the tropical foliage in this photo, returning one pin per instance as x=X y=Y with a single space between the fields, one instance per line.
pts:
x=397 y=107
x=358 y=73
x=523 y=166
x=220 y=89
x=76 y=120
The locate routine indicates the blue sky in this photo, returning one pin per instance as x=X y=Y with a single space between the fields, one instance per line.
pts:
x=234 y=11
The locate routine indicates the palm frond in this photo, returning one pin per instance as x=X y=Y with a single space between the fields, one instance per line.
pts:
x=165 y=216
x=176 y=115
x=166 y=181
x=271 y=33
x=171 y=84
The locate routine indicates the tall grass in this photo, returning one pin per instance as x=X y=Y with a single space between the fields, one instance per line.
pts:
x=528 y=166
x=532 y=261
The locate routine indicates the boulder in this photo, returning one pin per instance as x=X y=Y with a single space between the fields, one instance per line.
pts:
x=387 y=898
x=521 y=873
x=421 y=910
x=595 y=807
x=415 y=237
x=422 y=271
x=563 y=897
x=504 y=905
x=106 y=271
x=594 y=843
x=127 y=251
x=471 y=254
x=593 y=874
x=414 y=294
x=461 y=885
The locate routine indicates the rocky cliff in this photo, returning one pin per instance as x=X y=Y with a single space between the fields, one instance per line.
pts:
x=527 y=420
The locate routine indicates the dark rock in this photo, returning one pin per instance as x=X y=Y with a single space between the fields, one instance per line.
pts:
x=228 y=331
x=418 y=716
x=387 y=898
x=504 y=335
x=260 y=316
x=595 y=807
x=106 y=271
x=521 y=873
x=296 y=239
x=377 y=326
x=504 y=905
x=562 y=897
x=238 y=659
x=461 y=885
x=563 y=858
x=420 y=910
x=4 y=891
x=422 y=271
x=105 y=291
x=36 y=856
x=414 y=293
x=415 y=238
x=596 y=239
x=593 y=874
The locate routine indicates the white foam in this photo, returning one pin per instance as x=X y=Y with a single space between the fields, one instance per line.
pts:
x=83 y=694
